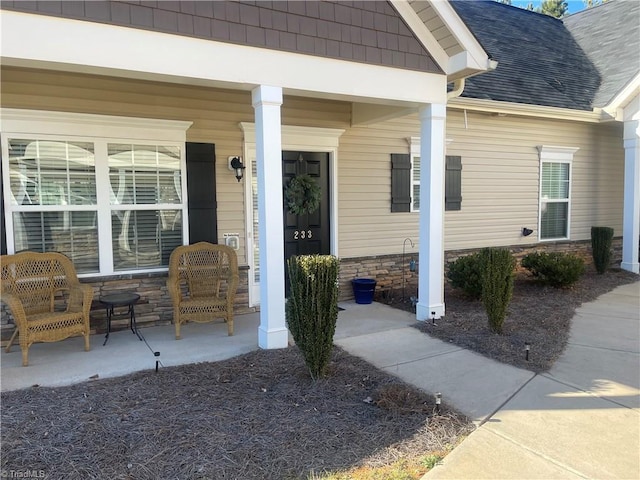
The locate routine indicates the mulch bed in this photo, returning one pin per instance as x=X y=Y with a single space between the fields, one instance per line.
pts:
x=539 y=315
x=257 y=416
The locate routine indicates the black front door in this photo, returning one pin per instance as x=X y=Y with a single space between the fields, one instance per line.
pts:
x=309 y=233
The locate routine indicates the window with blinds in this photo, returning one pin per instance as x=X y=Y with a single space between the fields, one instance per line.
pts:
x=56 y=203
x=554 y=200
x=415 y=183
x=146 y=203
x=53 y=198
x=405 y=183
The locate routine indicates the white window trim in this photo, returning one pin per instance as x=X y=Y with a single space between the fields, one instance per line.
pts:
x=414 y=151
x=101 y=130
x=555 y=154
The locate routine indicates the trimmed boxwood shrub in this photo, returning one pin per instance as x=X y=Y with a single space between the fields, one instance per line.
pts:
x=497 y=284
x=556 y=269
x=601 y=238
x=312 y=308
x=465 y=273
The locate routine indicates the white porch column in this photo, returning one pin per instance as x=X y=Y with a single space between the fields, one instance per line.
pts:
x=631 y=215
x=431 y=252
x=266 y=101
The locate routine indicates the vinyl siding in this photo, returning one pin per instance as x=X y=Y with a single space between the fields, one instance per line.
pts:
x=500 y=177
x=500 y=164
x=215 y=114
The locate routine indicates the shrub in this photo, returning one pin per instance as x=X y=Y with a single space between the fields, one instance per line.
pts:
x=312 y=308
x=465 y=273
x=601 y=238
x=556 y=269
x=497 y=284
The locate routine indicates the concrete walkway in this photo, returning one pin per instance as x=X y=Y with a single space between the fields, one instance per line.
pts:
x=579 y=420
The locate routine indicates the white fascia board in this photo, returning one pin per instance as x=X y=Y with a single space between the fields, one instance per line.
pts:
x=616 y=106
x=478 y=58
x=417 y=26
x=73 y=45
x=472 y=58
x=510 y=108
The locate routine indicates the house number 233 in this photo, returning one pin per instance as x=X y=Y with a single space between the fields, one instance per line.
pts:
x=301 y=234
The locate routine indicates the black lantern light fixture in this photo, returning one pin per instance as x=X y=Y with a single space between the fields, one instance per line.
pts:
x=236 y=165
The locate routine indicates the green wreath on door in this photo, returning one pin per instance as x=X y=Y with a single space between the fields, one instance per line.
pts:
x=303 y=195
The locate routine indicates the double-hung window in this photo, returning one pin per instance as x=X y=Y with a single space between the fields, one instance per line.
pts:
x=405 y=180
x=555 y=192
x=108 y=192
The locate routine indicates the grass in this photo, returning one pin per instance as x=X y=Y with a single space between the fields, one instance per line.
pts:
x=412 y=468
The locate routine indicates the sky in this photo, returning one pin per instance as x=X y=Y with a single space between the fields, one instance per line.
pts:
x=574 y=5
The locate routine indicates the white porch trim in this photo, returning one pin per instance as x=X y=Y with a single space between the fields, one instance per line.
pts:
x=313 y=139
x=631 y=211
x=90 y=47
x=266 y=101
x=431 y=243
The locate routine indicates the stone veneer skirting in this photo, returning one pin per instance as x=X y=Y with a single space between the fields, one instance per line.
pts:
x=387 y=269
x=155 y=308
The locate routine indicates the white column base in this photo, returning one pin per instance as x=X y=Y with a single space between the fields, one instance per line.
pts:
x=272 y=339
x=428 y=312
x=631 y=267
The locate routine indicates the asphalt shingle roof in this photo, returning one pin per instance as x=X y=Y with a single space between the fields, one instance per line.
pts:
x=610 y=36
x=540 y=62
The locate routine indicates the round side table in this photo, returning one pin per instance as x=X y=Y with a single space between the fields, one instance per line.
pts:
x=121 y=300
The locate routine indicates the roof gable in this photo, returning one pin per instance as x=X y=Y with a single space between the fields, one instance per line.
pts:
x=370 y=32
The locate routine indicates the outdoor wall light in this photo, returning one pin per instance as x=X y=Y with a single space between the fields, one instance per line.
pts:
x=526 y=231
x=236 y=165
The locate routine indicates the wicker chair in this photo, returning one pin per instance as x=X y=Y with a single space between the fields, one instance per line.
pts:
x=202 y=282
x=47 y=301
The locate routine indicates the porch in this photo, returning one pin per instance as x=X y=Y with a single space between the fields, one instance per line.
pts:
x=66 y=362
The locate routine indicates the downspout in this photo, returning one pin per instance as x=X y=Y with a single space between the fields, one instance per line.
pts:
x=458 y=87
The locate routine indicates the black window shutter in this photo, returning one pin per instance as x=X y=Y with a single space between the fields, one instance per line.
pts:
x=201 y=192
x=400 y=182
x=453 y=183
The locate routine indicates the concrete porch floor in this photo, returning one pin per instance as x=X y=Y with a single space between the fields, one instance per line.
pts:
x=66 y=362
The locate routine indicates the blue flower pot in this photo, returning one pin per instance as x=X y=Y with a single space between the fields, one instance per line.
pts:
x=363 y=289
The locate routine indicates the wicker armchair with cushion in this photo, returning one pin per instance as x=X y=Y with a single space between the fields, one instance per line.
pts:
x=45 y=298
x=202 y=282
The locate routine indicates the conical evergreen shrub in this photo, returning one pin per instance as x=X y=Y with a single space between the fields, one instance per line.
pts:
x=312 y=308
x=497 y=284
x=601 y=238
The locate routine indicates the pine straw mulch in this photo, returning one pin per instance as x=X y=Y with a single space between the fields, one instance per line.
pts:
x=257 y=416
x=538 y=314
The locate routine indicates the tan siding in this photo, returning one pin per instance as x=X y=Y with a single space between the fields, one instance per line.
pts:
x=366 y=224
x=215 y=115
x=499 y=156
x=501 y=177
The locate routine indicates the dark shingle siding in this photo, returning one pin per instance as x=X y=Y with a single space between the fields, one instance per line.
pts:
x=368 y=31
x=539 y=62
